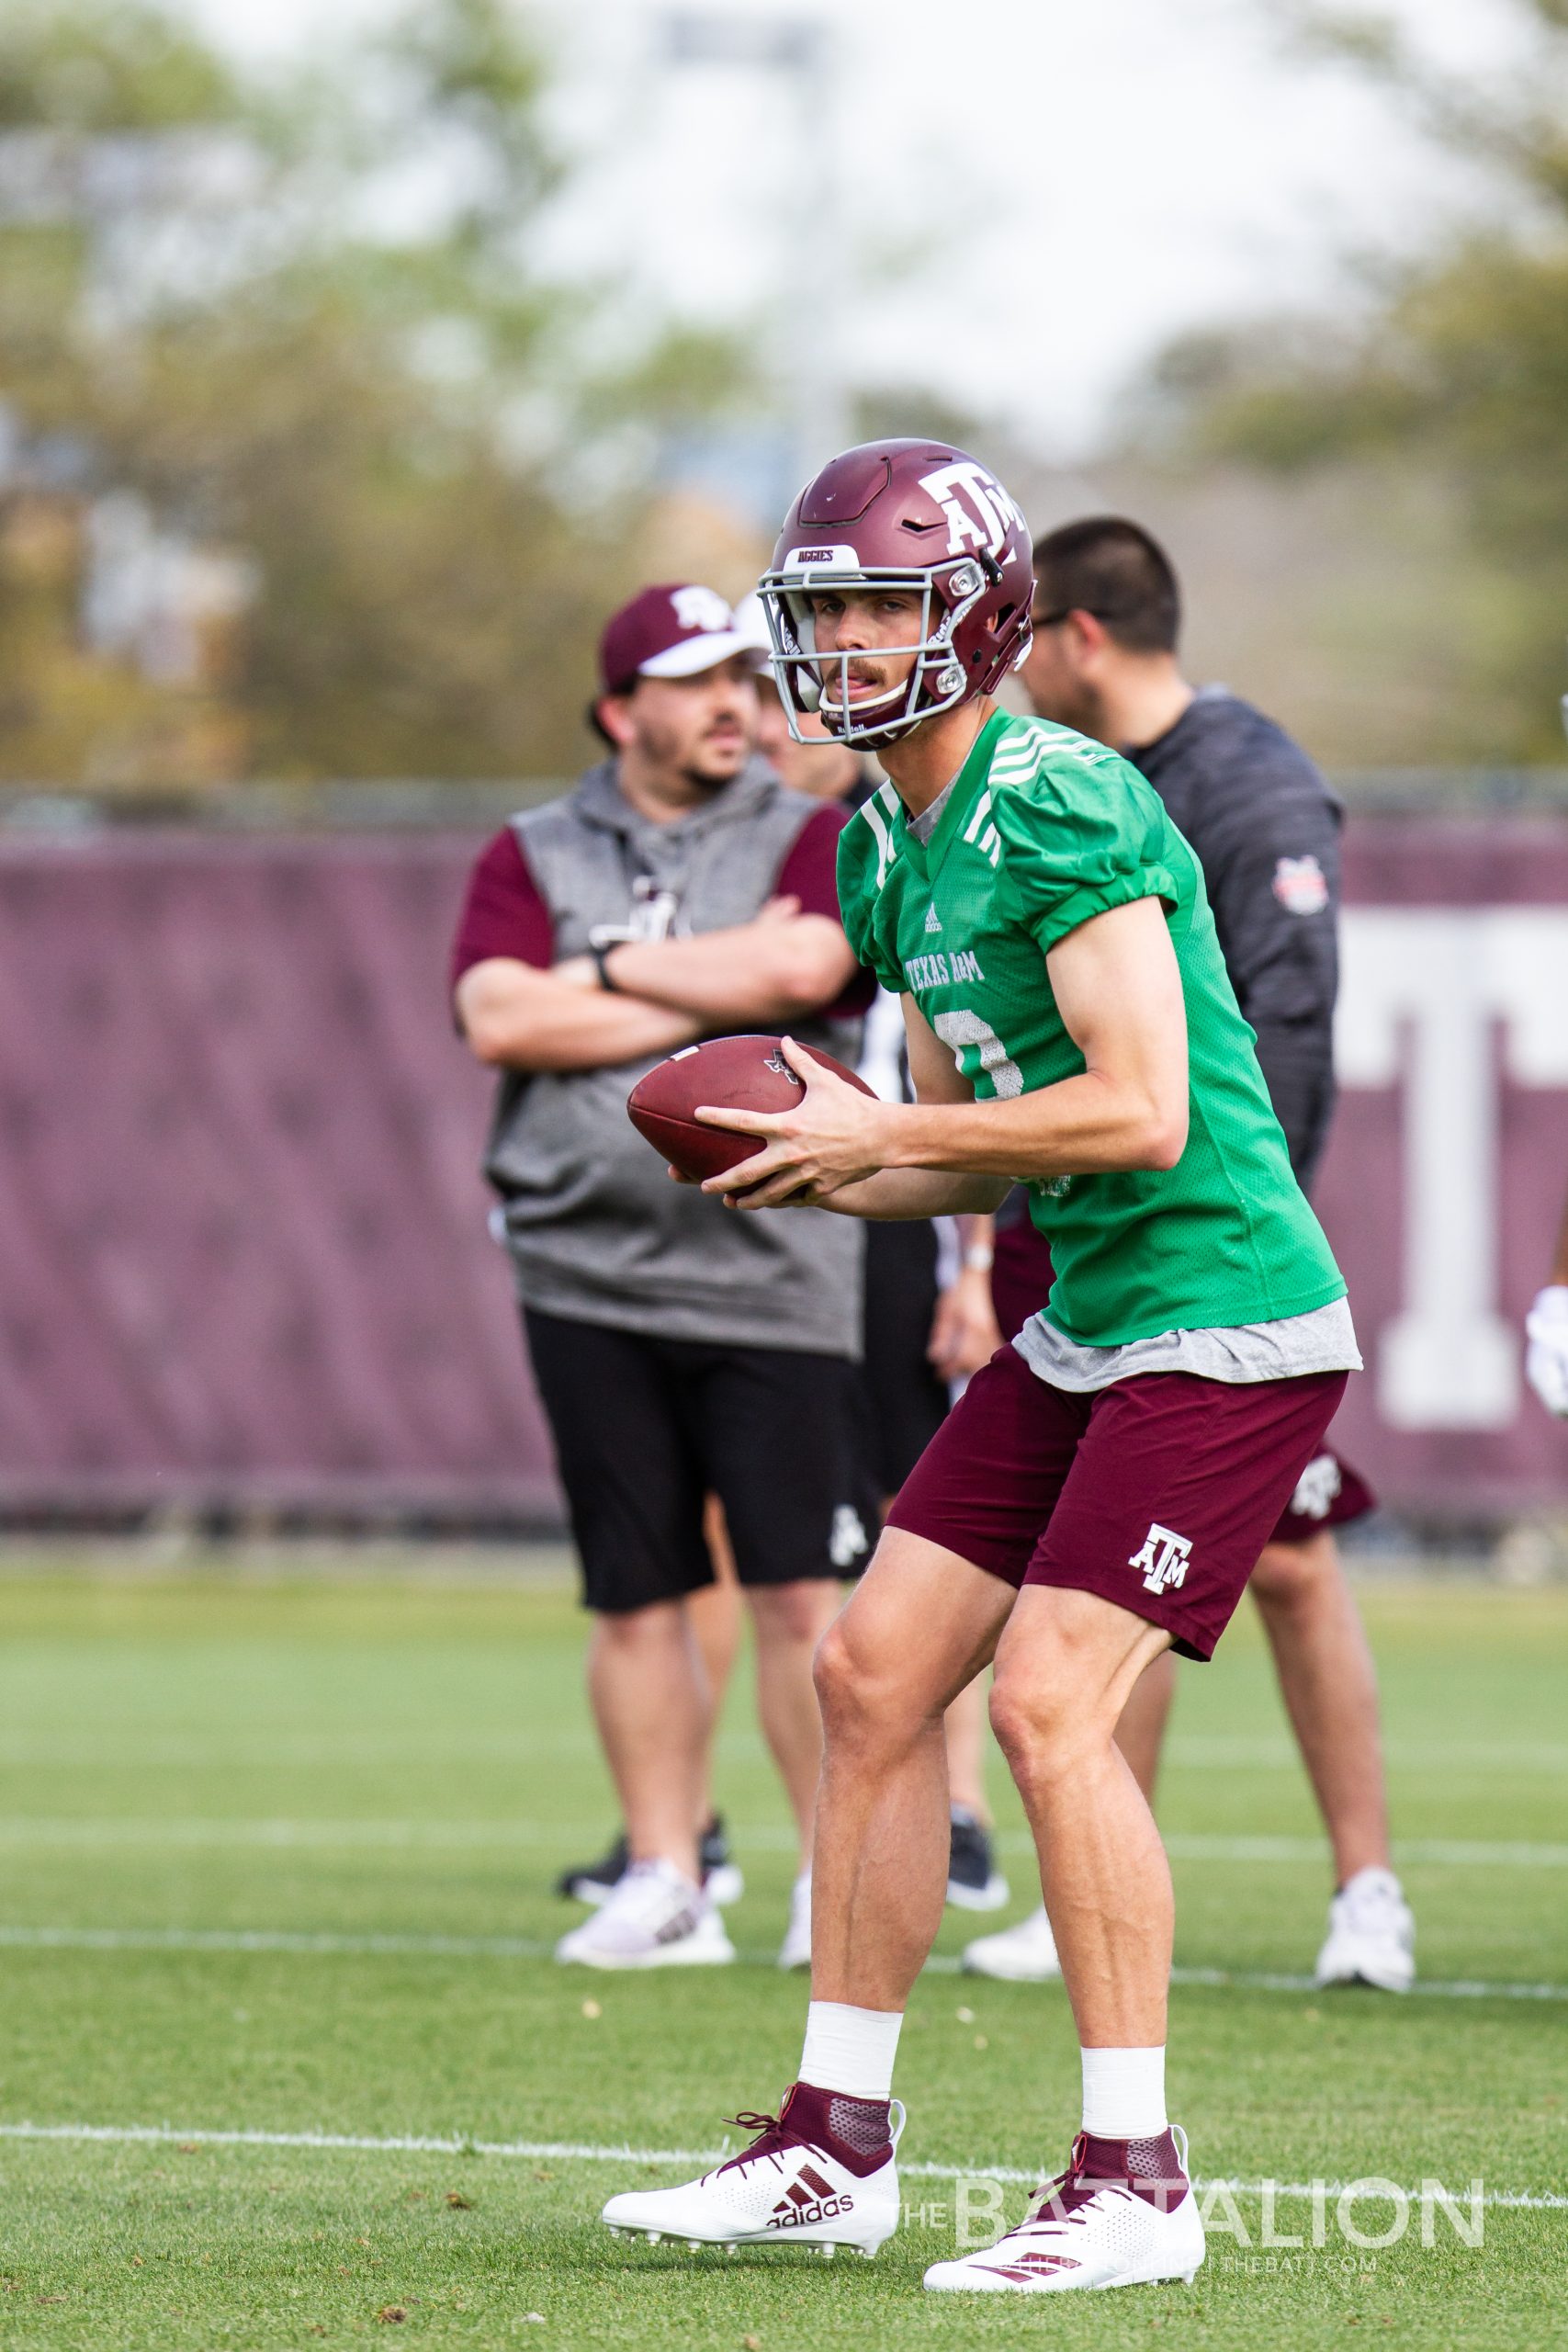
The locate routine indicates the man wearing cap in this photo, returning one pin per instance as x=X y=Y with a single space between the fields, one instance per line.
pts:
x=678 y=891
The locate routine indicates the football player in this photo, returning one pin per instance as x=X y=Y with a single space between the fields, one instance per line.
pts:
x=1103 y=1488
x=930 y=1322
x=1266 y=829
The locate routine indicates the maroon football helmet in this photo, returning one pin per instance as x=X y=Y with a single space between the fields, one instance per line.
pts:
x=912 y=514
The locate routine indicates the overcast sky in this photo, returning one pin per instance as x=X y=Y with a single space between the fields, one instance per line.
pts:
x=1066 y=185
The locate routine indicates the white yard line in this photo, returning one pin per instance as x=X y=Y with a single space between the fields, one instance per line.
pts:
x=306 y=1944
x=71 y=1830
x=589 y=2152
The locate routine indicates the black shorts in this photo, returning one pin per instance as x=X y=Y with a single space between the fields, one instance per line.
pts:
x=646 y=1429
x=903 y=1402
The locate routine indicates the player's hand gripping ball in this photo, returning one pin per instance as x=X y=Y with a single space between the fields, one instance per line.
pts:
x=737 y=1073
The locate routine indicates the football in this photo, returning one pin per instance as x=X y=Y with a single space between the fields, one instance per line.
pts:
x=737 y=1073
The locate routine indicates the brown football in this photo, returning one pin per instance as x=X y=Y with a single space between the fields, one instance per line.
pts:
x=737 y=1073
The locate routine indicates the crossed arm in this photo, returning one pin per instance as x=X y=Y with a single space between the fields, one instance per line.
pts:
x=668 y=992
x=1119 y=992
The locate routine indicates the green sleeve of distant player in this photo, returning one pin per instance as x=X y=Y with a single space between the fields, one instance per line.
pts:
x=862 y=869
x=1073 y=847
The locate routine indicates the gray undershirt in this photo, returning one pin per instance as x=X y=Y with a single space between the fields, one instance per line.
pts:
x=923 y=826
x=1288 y=1349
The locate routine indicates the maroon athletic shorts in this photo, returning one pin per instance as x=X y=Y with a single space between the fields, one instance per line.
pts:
x=1329 y=1493
x=1157 y=1493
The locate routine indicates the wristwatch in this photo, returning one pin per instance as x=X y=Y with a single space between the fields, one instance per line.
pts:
x=602 y=965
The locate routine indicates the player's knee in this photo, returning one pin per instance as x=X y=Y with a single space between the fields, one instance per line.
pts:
x=864 y=1699
x=839 y=1675
x=1287 y=1574
x=788 y=1612
x=633 y=1631
x=1033 y=1715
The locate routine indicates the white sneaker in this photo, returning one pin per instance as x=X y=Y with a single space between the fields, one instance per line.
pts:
x=1371 y=1935
x=655 y=1917
x=1121 y=2215
x=785 y=2188
x=795 y=1950
x=1024 y=1954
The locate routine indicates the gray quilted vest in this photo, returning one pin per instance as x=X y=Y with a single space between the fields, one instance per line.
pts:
x=595 y=1228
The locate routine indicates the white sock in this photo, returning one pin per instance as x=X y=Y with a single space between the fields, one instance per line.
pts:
x=850 y=2051
x=1123 y=2093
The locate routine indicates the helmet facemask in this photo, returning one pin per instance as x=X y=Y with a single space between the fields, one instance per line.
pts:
x=810 y=681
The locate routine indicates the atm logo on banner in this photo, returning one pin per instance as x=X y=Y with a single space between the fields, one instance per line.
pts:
x=1442 y=1003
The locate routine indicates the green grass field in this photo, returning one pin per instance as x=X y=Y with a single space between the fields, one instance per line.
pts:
x=276 y=1860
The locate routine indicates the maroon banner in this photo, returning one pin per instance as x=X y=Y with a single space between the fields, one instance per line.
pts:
x=244 y=1254
x=243 y=1246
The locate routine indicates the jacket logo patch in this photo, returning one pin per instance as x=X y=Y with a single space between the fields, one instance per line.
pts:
x=1301 y=885
x=1163 y=1558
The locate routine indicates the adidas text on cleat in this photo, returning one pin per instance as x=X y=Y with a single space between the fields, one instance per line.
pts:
x=821 y=2174
x=1371 y=1935
x=653 y=1918
x=1026 y=1954
x=1121 y=2215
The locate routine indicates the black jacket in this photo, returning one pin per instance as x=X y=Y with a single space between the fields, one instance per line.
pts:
x=1265 y=829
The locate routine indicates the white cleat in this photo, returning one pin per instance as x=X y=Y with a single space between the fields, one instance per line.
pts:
x=1134 y=2228
x=654 y=1919
x=795 y=1950
x=1024 y=1954
x=1371 y=1935
x=782 y=2191
x=724 y=1884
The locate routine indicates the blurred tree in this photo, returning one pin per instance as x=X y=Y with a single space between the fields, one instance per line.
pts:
x=1453 y=367
x=302 y=324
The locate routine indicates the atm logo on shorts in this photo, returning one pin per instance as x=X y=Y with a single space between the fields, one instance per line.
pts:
x=1163 y=1558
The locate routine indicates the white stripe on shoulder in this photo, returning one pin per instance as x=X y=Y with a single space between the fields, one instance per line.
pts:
x=884 y=839
x=1022 y=758
x=981 y=811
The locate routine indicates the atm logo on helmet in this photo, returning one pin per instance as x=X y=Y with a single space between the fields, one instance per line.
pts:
x=990 y=513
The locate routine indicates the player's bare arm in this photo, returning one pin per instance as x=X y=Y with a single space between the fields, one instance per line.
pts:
x=1119 y=992
x=515 y=1016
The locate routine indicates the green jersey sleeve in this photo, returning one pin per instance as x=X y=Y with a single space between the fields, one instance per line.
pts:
x=1081 y=837
x=862 y=866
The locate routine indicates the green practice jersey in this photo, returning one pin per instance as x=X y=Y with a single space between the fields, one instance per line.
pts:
x=1042 y=829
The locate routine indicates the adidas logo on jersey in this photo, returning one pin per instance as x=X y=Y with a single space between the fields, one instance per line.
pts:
x=808 y=2199
x=933 y=921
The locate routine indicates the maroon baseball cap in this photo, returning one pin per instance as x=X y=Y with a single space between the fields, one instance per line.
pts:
x=670 y=631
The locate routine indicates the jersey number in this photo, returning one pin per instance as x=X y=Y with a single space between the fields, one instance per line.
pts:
x=960 y=1029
